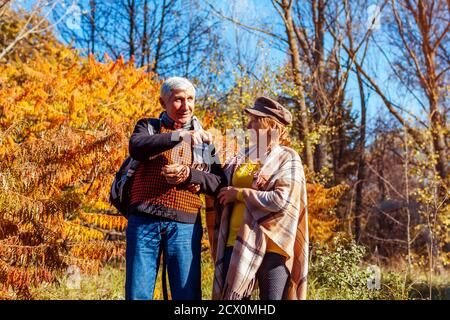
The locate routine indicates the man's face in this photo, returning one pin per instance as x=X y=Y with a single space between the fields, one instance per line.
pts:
x=180 y=105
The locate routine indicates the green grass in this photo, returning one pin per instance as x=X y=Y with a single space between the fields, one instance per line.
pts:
x=440 y=289
x=334 y=275
x=110 y=284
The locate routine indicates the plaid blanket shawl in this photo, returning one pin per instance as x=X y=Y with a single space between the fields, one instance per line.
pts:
x=276 y=208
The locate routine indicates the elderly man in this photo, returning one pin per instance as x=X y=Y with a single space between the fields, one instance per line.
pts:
x=164 y=201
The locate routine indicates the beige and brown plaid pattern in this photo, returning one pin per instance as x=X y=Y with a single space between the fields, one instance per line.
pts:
x=276 y=209
x=150 y=187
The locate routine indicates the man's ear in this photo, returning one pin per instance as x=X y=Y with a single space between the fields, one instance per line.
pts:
x=161 y=101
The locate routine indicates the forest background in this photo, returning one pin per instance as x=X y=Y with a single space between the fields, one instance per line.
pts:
x=367 y=82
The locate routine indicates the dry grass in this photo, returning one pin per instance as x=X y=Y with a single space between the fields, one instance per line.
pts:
x=110 y=285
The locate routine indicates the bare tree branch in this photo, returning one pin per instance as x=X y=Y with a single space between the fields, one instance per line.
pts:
x=239 y=23
x=28 y=29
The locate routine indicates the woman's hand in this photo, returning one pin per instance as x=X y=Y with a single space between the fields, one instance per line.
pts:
x=176 y=173
x=193 y=187
x=227 y=195
x=259 y=181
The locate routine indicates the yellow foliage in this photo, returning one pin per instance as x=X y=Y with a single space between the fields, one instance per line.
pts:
x=98 y=250
x=76 y=232
x=103 y=221
x=64 y=128
x=321 y=209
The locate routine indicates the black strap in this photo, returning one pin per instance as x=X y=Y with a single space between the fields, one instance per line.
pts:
x=163 y=277
x=164 y=269
x=153 y=125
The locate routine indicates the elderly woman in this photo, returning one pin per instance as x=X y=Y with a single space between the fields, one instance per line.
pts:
x=262 y=228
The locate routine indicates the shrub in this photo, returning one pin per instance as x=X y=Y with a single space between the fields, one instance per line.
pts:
x=64 y=127
x=337 y=271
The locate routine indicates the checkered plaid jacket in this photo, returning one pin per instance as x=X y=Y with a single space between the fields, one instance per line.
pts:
x=275 y=209
x=150 y=190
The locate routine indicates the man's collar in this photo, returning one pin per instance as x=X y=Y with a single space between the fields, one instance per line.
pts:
x=171 y=124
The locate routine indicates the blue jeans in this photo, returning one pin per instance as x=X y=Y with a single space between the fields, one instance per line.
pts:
x=181 y=243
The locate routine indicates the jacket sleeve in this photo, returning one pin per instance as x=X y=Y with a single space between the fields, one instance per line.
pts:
x=210 y=182
x=143 y=145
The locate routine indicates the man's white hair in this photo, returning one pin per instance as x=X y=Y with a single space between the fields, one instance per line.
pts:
x=174 y=83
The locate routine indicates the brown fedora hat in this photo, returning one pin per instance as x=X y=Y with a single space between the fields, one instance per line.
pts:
x=266 y=107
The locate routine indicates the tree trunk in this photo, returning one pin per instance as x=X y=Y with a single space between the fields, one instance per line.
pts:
x=132 y=21
x=320 y=152
x=361 y=161
x=144 y=34
x=160 y=38
x=295 y=61
x=92 y=5
x=437 y=132
x=361 y=176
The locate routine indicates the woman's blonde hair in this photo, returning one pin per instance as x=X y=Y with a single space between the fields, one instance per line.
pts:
x=270 y=124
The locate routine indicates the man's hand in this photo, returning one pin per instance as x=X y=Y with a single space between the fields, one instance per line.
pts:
x=176 y=173
x=197 y=137
x=227 y=195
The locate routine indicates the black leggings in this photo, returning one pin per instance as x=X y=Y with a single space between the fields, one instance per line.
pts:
x=272 y=275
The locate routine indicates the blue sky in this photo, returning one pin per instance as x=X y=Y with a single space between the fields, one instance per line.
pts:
x=261 y=12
